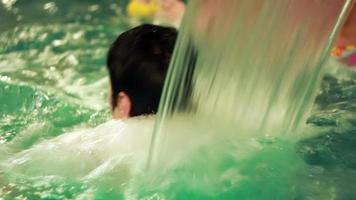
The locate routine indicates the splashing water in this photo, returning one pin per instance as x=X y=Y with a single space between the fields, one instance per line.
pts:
x=50 y=63
x=241 y=83
x=252 y=69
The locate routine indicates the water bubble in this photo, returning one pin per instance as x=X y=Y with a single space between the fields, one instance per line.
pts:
x=50 y=7
x=29 y=73
x=72 y=60
x=5 y=78
x=43 y=37
x=78 y=35
x=94 y=8
x=57 y=43
x=8 y=3
x=52 y=68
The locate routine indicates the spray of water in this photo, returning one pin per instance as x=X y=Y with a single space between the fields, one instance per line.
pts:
x=244 y=69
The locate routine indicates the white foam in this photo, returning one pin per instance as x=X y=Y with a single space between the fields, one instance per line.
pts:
x=87 y=153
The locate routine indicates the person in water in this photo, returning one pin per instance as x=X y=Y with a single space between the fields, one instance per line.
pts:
x=137 y=62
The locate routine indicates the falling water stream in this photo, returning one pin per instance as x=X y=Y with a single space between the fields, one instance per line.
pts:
x=240 y=87
x=251 y=70
x=246 y=113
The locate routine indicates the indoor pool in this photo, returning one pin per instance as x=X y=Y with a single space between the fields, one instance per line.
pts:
x=53 y=81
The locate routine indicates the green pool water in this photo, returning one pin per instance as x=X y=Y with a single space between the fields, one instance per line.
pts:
x=52 y=58
x=53 y=81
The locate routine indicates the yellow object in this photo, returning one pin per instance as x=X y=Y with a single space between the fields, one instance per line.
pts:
x=141 y=9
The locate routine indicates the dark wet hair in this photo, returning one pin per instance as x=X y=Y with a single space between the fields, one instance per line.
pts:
x=138 y=62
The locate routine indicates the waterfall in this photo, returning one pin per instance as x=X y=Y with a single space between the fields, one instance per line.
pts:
x=242 y=69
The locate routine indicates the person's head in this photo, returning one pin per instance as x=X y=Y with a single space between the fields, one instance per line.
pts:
x=137 y=63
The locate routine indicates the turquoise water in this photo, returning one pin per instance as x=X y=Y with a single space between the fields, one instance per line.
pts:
x=53 y=81
x=52 y=58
